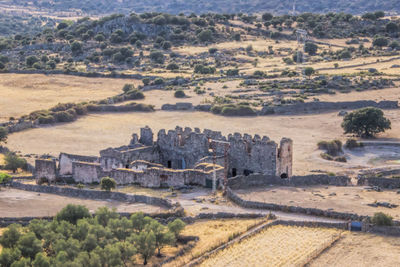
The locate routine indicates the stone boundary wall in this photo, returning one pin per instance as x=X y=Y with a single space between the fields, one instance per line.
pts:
x=256 y=180
x=96 y=195
x=385 y=230
x=389 y=183
x=293 y=209
x=312 y=107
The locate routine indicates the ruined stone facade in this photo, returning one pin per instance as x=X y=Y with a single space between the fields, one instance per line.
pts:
x=182 y=157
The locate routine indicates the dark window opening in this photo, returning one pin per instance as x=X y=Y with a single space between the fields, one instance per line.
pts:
x=234 y=172
x=284 y=176
x=127 y=166
x=163 y=178
x=247 y=172
x=169 y=164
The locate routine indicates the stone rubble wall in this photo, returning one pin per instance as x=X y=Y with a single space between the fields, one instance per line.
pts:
x=46 y=168
x=96 y=194
x=65 y=162
x=316 y=106
x=390 y=183
x=257 y=180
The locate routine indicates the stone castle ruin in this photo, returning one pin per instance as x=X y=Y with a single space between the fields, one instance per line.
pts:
x=176 y=158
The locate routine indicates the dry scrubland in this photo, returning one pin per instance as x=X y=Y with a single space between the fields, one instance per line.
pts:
x=341 y=199
x=276 y=246
x=17 y=203
x=211 y=234
x=24 y=93
x=92 y=133
x=358 y=249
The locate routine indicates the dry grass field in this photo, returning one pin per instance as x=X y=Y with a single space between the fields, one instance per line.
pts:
x=92 y=133
x=17 y=203
x=359 y=249
x=337 y=198
x=24 y=93
x=211 y=234
x=276 y=246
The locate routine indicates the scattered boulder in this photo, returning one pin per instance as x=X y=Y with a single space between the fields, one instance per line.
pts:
x=342 y=113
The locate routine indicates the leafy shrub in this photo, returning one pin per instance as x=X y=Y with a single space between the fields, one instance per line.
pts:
x=4 y=178
x=204 y=69
x=172 y=66
x=234 y=110
x=107 y=183
x=333 y=148
x=232 y=72
x=159 y=81
x=352 y=143
x=64 y=116
x=127 y=87
x=157 y=57
x=179 y=94
x=382 y=219
x=135 y=94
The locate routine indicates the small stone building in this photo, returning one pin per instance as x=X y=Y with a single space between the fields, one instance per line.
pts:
x=181 y=157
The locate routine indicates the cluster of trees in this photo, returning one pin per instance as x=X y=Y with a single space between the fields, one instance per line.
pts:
x=76 y=238
x=213 y=6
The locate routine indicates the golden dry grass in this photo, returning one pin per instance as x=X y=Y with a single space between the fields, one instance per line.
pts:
x=276 y=246
x=360 y=249
x=90 y=134
x=211 y=234
x=24 y=93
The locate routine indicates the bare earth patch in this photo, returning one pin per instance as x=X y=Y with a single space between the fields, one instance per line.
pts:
x=341 y=199
x=24 y=93
x=17 y=203
x=356 y=249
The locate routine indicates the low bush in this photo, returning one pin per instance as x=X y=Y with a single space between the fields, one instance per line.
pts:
x=134 y=94
x=4 y=178
x=234 y=110
x=382 y=219
x=332 y=148
x=179 y=94
x=352 y=143
x=107 y=183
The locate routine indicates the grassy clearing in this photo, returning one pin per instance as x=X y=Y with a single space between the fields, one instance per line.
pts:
x=24 y=93
x=281 y=246
x=212 y=234
x=359 y=249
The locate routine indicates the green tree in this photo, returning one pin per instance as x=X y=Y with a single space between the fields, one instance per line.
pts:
x=380 y=41
x=29 y=245
x=99 y=37
x=104 y=214
x=31 y=60
x=72 y=213
x=309 y=71
x=145 y=243
x=139 y=221
x=107 y=183
x=311 y=48
x=76 y=47
x=22 y=262
x=366 y=122
x=121 y=228
x=10 y=237
x=41 y=260
x=8 y=256
x=113 y=255
x=267 y=16
x=163 y=237
x=205 y=36
x=176 y=227
x=13 y=162
x=127 y=250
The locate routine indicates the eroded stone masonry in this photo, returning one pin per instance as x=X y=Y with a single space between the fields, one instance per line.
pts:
x=175 y=158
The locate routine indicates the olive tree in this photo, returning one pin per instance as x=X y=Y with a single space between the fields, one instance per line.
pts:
x=365 y=122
